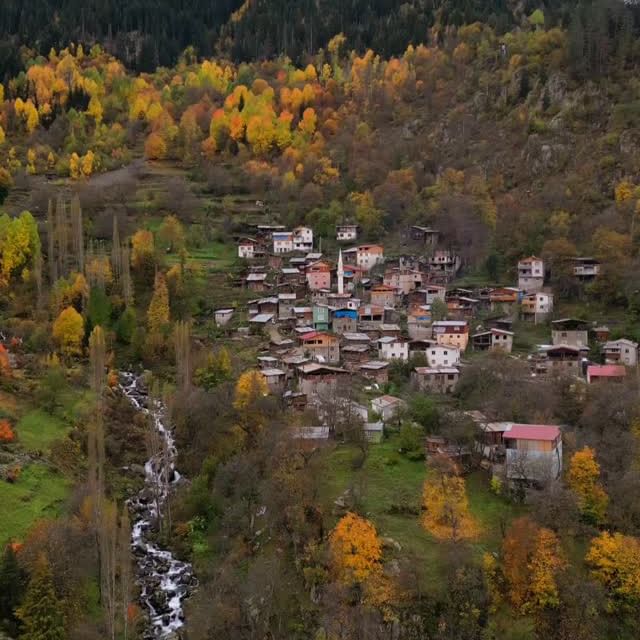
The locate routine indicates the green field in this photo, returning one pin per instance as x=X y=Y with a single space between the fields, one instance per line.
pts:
x=388 y=480
x=38 y=493
x=37 y=430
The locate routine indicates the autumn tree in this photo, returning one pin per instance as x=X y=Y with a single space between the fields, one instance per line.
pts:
x=216 y=370
x=68 y=331
x=171 y=234
x=7 y=434
x=615 y=563
x=5 y=362
x=446 y=507
x=41 y=611
x=143 y=251
x=583 y=478
x=155 y=147
x=355 y=549
x=158 y=311
x=532 y=560
x=250 y=388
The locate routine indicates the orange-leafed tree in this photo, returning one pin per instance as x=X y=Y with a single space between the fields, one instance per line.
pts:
x=251 y=386
x=155 y=147
x=5 y=363
x=68 y=331
x=142 y=250
x=355 y=549
x=7 y=434
x=584 y=480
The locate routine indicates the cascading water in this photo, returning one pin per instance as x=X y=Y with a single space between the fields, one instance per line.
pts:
x=164 y=581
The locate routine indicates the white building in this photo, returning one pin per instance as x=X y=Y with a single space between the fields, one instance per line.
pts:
x=387 y=407
x=439 y=355
x=303 y=239
x=222 y=316
x=537 y=306
x=530 y=274
x=621 y=351
x=282 y=241
x=366 y=256
x=247 y=248
x=533 y=452
x=390 y=348
x=346 y=232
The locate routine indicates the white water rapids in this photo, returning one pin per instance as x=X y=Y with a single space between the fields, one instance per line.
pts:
x=164 y=581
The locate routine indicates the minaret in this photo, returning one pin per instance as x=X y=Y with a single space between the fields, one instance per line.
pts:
x=340 y=274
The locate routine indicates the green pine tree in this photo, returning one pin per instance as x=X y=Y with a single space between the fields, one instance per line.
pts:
x=41 y=611
x=12 y=585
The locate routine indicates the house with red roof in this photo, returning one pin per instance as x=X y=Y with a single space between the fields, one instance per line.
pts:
x=606 y=372
x=533 y=452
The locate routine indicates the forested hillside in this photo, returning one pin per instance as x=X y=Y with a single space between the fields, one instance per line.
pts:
x=133 y=31
x=163 y=408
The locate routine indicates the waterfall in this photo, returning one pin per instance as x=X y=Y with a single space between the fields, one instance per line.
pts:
x=164 y=581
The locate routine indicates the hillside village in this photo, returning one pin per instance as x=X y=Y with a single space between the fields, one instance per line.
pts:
x=335 y=325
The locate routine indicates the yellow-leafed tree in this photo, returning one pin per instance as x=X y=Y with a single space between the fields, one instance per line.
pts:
x=158 y=311
x=583 y=478
x=447 y=508
x=615 y=563
x=68 y=331
x=355 y=549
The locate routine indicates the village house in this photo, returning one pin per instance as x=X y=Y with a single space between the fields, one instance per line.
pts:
x=606 y=373
x=570 y=331
x=268 y=362
x=444 y=264
x=530 y=274
x=353 y=355
x=290 y=364
x=383 y=295
x=256 y=282
x=263 y=305
x=303 y=316
x=503 y=299
x=356 y=338
x=439 y=355
x=537 y=306
x=424 y=235
x=367 y=256
x=319 y=276
x=622 y=351
x=321 y=317
x=286 y=305
x=462 y=307
x=249 y=248
x=346 y=232
x=275 y=379
x=282 y=242
x=586 y=269
x=492 y=340
x=302 y=238
x=321 y=346
x=403 y=279
x=533 y=452
x=375 y=371
x=371 y=314
x=292 y=275
x=222 y=316
x=390 y=348
x=454 y=333
x=390 y=330
x=436 y=379
x=315 y=378
x=318 y=434
x=344 y=321
x=505 y=323
x=419 y=347
x=387 y=407
x=261 y=320
x=564 y=359
x=419 y=322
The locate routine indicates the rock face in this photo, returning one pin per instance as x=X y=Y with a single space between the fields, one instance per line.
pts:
x=164 y=581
